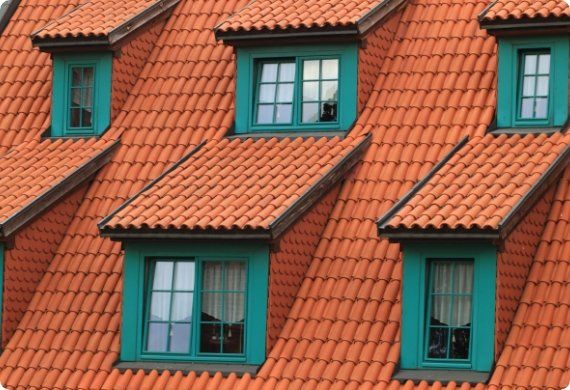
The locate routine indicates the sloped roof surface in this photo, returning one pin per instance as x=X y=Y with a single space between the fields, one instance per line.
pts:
x=93 y=18
x=537 y=349
x=33 y=168
x=526 y=9
x=295 y=14
x=481 y=184
x=234 y=184
x=25 y=73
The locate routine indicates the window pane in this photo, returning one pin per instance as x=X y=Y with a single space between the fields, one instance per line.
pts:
x=310 y=91
x=310 y=112
x=234 y=307
x=267 y=93
x=328 y=112
x=330 y=69
x=160 y=306
x=180 y=338
x=182 y=306
x=541 y=108
x=212 y=306
x=86 y=115
x=75 y=117
x=528 y=85
x=157 y=337
x=285 y=93
x=542 y=86
x=440 y=310
x=311 y=70
x=264 y=114
x=87 y=98
x=75 y=97
x=76 y=77
x=269 y=73
x=287 y=72
x=284 y=113
x=236 y=276
x=87 y=76
x=460 y=343
x=544 y=64
x=463 y=280
x=212 y=276
x=329 y=90
x=461 y=311
x=530 y=64
x=211 y=338
x=437 y=346
x=442 y=277
x=233 y=338
x=184 y=276
x=527 y=108
x=162 y=275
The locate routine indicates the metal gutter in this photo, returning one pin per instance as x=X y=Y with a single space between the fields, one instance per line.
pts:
x=138 y=234
x=382 y=221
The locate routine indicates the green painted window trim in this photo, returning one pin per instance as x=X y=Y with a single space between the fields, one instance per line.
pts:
x=510 y=50
x=137 y=254
x=62 y=64
x=414 y=304
x=246 y=85
x=2 y=266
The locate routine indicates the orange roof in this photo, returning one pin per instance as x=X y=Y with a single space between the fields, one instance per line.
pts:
x=42 y=172
x=481 y=186
x=244 y=184
x=271 y=15
x=526 y=9
x=102 y=18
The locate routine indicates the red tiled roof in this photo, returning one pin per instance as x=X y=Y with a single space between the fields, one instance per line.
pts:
x=98 y=18
x=482 y=184
x=526 y=9
x=244 y=184
x=36 y=170
x=297 y=14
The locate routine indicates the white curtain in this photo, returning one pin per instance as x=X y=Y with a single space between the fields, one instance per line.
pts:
x=446 y=275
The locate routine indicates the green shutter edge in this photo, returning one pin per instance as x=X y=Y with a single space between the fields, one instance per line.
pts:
x=103 y=62
x=508 y=81
x=414 y=289
x=257 y=255
x=245 y=85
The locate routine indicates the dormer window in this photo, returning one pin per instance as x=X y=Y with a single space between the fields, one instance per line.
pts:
x=81 y=94
x=533 y=82
x=296 y=88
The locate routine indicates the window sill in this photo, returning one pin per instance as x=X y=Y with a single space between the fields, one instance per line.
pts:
x=187 y=367
x=443 y=376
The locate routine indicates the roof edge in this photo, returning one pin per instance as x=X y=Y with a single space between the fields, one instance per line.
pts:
x=377 y=14
x=6 y=12
x=511 y=26
x=383 y=220
x=432 y=234
x=317 y=189
x=52 y=195
x=102 y=224
x=130 y=26
x=515 y=215
x=120 y=234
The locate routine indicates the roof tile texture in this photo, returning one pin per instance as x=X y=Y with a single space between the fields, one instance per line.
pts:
x=527 y=9
x=481 y=183
x=27 y=260
x=296 y=14
x=93 y=18
x=234 y=184
x=32 y=168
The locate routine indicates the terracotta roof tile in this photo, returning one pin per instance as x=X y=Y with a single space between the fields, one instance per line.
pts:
x=94 y=18
x=33 y=169
x=481 y=184
x=526 y=9
x=244 y=184
x=297 y=14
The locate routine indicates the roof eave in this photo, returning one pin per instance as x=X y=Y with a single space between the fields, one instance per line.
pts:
x=119 y=234
x=513 y=27
x=377 y=14
x=57 y=192
x=115 y=37
x=400 y=235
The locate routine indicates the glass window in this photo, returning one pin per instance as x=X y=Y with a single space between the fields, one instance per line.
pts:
x=221 y=298
x=449 y=307
x=81 y=91
x=275 y=93
x=534 y=85
x=320 y=91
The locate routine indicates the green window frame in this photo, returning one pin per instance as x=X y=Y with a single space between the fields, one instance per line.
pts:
x=249 y=97
x=512 y=54
x=140 y=260
x=69 y=118
x=417 y=291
